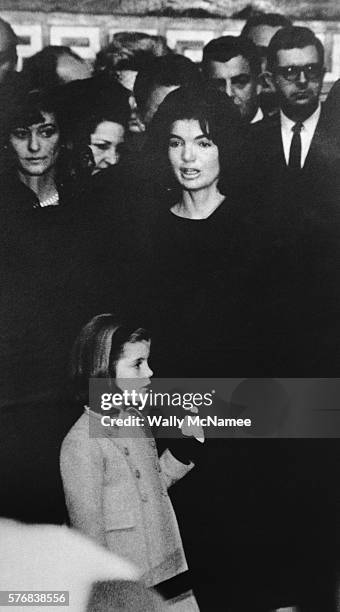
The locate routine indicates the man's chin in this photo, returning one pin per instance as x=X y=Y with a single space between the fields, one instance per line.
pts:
x=300 y=109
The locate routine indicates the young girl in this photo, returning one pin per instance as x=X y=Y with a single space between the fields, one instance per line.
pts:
x=115 y=486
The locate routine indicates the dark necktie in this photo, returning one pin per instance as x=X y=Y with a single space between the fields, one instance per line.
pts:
x=294 y=161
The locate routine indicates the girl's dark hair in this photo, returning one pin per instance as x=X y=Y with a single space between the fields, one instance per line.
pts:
x=218 y=119
x=98 y=347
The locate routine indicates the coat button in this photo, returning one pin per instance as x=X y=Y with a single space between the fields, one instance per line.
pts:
x=137 y=473
x=126 y=450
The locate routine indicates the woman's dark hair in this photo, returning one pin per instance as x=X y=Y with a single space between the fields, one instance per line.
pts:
x=87 y=124
x=98 y=347
x=219 y=120
x=21 y=106
x=86 y=104
x=82 y=161
x=25 y=108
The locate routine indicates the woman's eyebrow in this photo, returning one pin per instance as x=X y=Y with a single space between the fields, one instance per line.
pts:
x=37 y=126
x=196 y=137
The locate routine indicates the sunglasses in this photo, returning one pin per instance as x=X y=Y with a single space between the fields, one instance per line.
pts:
x=312 y=72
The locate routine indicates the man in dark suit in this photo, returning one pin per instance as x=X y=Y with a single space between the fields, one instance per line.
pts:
x=296 y=154
x=296 y=66
x=296 y=169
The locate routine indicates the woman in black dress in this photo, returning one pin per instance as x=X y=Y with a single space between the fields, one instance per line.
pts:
x=47 y=278
x=201 y=235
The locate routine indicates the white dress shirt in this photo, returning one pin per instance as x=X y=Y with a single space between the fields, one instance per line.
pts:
x=307 y=133
x=258 y=116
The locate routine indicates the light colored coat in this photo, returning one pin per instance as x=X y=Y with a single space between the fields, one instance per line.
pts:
x=116 y=492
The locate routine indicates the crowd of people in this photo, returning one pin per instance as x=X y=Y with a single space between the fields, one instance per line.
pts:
x=149 y=201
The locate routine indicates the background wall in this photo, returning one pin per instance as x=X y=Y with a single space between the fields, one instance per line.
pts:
x=87 y=25
x=307 y=9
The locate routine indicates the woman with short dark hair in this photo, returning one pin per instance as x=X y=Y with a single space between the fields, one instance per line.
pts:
x=96 y=113
x=32 y=137
x=219 y=125
x=47 y=256
x=98 y=140
x=195 y=150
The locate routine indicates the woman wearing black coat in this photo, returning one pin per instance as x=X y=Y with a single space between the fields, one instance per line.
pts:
x=48 y=289
x=199 y=232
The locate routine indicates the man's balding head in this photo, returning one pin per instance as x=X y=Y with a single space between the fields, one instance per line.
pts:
x=8 y=51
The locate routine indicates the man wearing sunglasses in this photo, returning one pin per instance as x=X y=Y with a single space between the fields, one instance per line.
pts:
x=233 y=65
x=298 y=317
x=296 y=64
x=296 y=69
x=296 y=168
